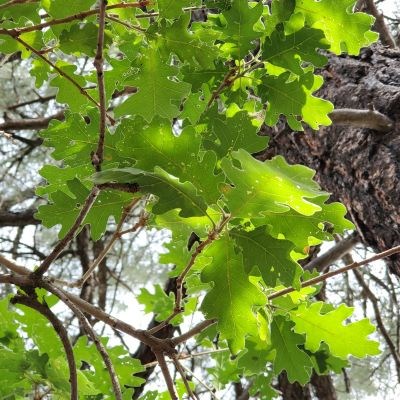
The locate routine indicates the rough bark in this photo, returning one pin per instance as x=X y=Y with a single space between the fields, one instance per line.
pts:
x=293 y=391
x=359 y=166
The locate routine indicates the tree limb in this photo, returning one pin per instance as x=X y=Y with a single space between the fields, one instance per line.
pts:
x=44 y=266
x=380 y=24
x=370 y=119
x=30 y=123
x=324 y=277
x=335 y=253
x=61 y=332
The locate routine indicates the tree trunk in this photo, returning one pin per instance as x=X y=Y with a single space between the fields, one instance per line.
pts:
x=359 y=166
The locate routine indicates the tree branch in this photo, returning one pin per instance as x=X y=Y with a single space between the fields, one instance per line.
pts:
x=92 y=335
x=167 y=376
x=194 y=331
x=59 y=70
x=324 y=277
x=380 y=24
x=379 y=322
x=335 y=253
x=370 y=119
x=61 y=332
x=78 y=16
x=116 y=236
x=30 y=123
x=14 y=267
x=70 y=234
x=18 y=218
x=212 y=235
x=97 y=157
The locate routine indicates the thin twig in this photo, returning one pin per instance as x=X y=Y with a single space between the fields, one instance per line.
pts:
x=78 y=16
x=61 y=332
x=40 y=99
x=59 y=70
x=227 y=81
x=333 y=254
x=185 y=9
x=70 y=234
x=212 y=235
x=126 y=24
x=98 y=63
x=210 y=390
x=99 y=346
x=194 y=331
x=117 y=234
x=97 y=313
x=16 y=2
x=181 y=371
x=167 y=376
x=339 y=271
x=13 y=267
x=379 y=322
x=189 y=356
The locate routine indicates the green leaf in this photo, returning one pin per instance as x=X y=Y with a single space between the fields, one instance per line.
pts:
x=156 y=145
x=239 y=33
x=345 y=30
x=158 y=302
x=232 y=133
x=79 y=40
x=158 y=94
x=291 y=51
x=64 y=209
x=39 y=330
x=271 y=256
x=58 y=9
x=256 y=356
x=174 y=8
x=309 y=230
x=57 y=178
x=294 y=99
x=75 y=102
x=194 y=107
x=75 y=138
x=271 y=186
x=281 y=10
x=191 y=47
x=343 y=340
x=182 y=228
x=172 y=193
x=324 y=362
x=233 y=299
x=289 y=356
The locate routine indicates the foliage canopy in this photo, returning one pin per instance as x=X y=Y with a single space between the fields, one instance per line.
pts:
x=166 y=121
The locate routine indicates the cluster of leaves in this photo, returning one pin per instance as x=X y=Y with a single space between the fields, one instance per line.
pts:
x=185 y=135
x=43 y=368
